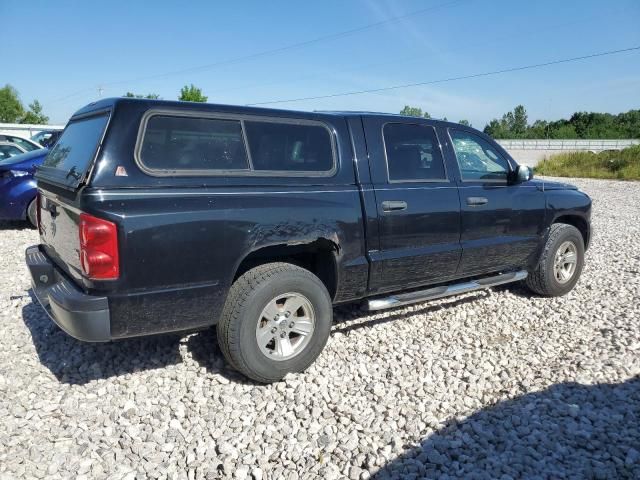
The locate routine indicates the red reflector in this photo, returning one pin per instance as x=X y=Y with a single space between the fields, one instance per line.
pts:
x=98 y=248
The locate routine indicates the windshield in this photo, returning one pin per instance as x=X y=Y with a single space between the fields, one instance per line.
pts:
x=69 y=161
x=40 y=137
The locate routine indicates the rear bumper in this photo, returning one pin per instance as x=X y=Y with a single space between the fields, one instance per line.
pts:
x=85 y=317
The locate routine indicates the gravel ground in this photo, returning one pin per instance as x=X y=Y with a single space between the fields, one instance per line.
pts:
x=496 y=384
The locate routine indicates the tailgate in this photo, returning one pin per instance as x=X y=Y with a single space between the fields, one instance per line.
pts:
x=59 y=235
x=64 y=171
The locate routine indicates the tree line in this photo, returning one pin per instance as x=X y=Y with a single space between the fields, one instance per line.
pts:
x=188 y=93
x=12 y=109
x=417 y=112
x=581 y=125
x=513 y=124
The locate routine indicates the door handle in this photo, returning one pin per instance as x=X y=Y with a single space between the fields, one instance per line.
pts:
x=393 y=205
x=477 y=201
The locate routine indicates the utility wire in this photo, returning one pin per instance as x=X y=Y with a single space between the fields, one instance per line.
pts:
x=451 y=79
x=492 y=41
x=274 y=51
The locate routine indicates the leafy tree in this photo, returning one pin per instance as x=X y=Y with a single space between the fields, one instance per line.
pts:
x=464 y=122
x=35 y=115
x=567 y=131
x=518 y=121
x=190 y=93
x=411 y=111
x=512 y=125
x=498 y=129
x=629 y=123
x=539 y=129
x=11 y=109
x=414 y=112
x=583 y=125
x=151 y=96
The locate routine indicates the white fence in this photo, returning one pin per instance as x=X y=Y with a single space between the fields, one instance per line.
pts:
x=530 y=152
x=25 y=129
x=572 y=145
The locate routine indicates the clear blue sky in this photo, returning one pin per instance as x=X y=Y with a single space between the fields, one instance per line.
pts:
x=61 y=52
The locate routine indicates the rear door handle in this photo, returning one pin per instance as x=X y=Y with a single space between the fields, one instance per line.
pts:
x=393 y=205
x=477 y=201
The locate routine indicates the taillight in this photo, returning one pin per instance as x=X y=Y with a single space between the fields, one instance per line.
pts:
x=98 y=248
x=38 y=207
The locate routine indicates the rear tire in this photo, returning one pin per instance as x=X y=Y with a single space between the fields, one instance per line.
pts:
x=32 y=215
x=560 y=264
x=276 y=320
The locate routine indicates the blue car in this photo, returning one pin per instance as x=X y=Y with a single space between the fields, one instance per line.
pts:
x=18 y=187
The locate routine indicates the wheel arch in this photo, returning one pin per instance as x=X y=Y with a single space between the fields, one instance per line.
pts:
x=317 y=256
x=580 y=223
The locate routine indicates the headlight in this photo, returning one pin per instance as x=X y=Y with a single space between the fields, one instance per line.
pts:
x=19 y=173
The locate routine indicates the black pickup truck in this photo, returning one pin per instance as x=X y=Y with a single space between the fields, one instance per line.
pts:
x=159 y=216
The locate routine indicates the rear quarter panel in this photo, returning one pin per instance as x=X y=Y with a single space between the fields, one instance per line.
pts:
x=182 y=239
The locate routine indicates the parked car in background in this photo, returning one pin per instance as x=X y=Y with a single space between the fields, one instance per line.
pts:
x=18 y=187
x=160 y=216
x=47 y=138
x=8 y=150
x=24 y=143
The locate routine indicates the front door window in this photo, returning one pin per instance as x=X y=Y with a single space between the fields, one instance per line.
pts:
x=478 y=159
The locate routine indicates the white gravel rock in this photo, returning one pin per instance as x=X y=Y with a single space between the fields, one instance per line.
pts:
x=497 y=384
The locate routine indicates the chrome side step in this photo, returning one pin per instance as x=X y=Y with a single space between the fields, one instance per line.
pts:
x=400 y=299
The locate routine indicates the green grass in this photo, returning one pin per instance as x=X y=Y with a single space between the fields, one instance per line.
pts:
x=622 y=165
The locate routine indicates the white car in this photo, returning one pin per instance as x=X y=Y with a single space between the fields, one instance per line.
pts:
x=24 y=143
x=8 y=150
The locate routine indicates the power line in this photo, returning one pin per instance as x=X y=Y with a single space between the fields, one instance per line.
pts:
x=252 y=56
x=71 y=95
x=451 y=79
x=405 y=59
x=292 y=46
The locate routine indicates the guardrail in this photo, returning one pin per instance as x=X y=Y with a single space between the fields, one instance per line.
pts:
x=548 y=144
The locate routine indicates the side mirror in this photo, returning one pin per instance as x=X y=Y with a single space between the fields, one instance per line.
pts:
x=523 y=174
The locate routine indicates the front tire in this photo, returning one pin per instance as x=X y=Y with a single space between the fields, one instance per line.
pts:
x=276 y=320
x=560 y=264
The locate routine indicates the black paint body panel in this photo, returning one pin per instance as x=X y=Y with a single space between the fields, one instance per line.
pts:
x=183 y=239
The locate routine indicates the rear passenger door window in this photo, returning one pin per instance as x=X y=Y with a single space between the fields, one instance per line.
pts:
x=173 y=143
x=413 y=153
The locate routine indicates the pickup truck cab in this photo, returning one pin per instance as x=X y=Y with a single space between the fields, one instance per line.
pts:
x=159 y=216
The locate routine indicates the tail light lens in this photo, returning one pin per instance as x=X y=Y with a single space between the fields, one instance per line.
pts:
x=98 y=248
